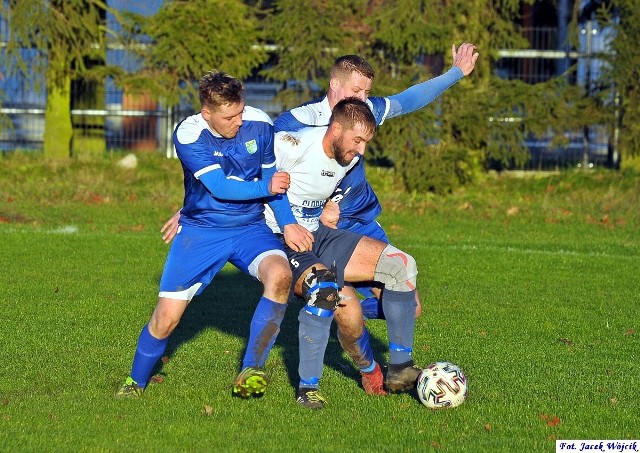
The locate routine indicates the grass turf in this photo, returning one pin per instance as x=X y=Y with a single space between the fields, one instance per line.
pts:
x=530 y=285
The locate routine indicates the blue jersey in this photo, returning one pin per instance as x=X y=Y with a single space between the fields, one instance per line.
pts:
x=358 y=202
x=242 y=158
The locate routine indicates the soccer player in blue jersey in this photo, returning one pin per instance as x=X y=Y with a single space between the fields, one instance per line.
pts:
x=357 y=204
x=227 y=156
x=317 y=158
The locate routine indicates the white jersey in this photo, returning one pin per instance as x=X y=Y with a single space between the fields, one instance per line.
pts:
x=314 y=176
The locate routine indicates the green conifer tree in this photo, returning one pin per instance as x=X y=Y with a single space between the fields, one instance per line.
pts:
x=187 y=39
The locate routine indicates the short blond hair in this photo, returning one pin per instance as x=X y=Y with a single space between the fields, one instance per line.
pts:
x=346 y=65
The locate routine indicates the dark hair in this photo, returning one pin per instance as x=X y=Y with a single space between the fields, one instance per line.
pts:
x=345 y=65
x=350 y=112
x=217 y=88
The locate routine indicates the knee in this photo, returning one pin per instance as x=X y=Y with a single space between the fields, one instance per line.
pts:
x=396 y=269
x=277 y=279
x=161 y=326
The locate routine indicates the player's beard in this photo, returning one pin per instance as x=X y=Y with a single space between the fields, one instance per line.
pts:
x=340 y=155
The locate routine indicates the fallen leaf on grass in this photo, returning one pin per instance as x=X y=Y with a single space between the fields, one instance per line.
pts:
x=94 y=198
x=555 y=421
x=466 y=206
x=566 y=341
x=165 y=359
x=613 y=401
x=487 y=427
x=157 y=379
x=207 y=410
x=551 y=420
x=513 y=210
x=630 y=332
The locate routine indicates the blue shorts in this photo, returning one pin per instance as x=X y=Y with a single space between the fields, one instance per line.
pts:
x=329 y=247
x=371 y=229
x=198 y=253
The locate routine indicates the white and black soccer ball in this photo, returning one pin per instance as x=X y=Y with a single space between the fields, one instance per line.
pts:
x=442 y=384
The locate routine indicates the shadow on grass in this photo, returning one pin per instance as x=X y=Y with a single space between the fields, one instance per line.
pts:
x=228 y=304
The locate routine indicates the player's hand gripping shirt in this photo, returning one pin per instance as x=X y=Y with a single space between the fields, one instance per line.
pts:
x=314 y=176
x=248 y=157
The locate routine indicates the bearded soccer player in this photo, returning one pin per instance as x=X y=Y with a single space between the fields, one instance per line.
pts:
x=317 y=159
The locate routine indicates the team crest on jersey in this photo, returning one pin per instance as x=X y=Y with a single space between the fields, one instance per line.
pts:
x=328 y=173
x=252 y=146
x=291 y=139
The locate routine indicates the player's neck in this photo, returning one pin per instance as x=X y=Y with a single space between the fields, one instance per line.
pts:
x=332 y=97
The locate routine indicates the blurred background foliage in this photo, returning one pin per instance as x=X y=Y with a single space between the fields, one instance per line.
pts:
x=478 y=124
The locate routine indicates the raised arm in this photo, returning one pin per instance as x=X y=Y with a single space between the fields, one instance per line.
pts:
x=422 y=94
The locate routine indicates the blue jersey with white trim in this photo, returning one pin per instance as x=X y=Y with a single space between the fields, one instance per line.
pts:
x=241 y=158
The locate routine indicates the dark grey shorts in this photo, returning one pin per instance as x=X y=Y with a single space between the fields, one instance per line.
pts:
x=330 y=246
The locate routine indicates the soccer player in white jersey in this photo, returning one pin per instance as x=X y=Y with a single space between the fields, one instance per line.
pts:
x=227 y=156
x=352 y=76
x=316 y=160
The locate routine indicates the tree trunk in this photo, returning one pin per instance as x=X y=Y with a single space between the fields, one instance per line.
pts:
x=58 y=130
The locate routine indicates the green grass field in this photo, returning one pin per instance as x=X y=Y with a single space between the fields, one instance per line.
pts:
x=530 y=284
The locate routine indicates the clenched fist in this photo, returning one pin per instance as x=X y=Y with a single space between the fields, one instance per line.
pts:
x=279 y=183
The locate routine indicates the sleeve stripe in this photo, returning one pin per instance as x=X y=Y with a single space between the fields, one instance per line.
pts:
x=269 y=165
x=206 y=170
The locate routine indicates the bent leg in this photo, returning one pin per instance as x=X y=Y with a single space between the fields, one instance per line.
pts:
x=154 y=338
x=275 y=275
x=397 y=270
x=352 y=333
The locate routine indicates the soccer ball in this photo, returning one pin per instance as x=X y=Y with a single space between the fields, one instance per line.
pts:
x=442 y=384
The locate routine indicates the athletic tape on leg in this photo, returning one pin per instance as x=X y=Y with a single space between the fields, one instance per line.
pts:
x=320 y=289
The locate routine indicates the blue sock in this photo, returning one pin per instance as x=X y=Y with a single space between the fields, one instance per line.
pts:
x=372 y=308
x=313 y=336
x=148 y=352
x=359 y=350
x=264 y=329
x=399 y=308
